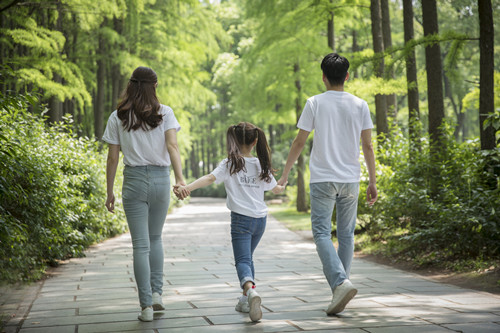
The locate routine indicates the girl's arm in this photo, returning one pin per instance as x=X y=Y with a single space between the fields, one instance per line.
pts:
x=175 y=156
x=111 y=165
x=206 y=180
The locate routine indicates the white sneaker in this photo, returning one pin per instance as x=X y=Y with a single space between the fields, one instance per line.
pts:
x=341 y=296
x=242 y=305
x=254 y=304
x=157 y=302
x=146 y=314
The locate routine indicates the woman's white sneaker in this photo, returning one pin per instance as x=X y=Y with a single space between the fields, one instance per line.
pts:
x=146 y=314
x=157 y=302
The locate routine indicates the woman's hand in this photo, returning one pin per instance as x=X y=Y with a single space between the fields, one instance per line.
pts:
x=110 y=203
x=181 y=191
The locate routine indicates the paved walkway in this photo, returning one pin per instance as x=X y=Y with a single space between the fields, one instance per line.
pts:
x=98 y=294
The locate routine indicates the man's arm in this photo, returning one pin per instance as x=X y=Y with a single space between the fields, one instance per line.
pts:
x=297 y=147
x=369 y=154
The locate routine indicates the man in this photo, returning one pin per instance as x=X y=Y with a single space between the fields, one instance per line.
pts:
x=339 y=120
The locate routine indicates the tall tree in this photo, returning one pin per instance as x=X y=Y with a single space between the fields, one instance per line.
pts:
x=411 y=75
x=486 y=71
x=331 y=30
x=387 y=37
x=101 y=86
x=434 y=68
x=378 y=48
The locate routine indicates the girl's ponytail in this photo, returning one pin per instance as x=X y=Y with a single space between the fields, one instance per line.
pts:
x=264 y=155
x=235 y=160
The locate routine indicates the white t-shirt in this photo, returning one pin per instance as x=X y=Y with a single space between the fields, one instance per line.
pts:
x=337 y=118
x=245 y=190
x=142 y=147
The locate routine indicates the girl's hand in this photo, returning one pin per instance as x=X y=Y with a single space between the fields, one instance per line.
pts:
x=110 y=203
x=279 y=188
x=181 y=191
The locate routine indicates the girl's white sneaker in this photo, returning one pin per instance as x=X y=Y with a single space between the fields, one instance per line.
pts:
x=242 y=305
x=146 y=314
x=157 y=302
x=254 y=303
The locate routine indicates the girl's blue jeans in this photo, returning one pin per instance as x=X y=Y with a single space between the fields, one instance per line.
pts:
x=146 y=196
x=324 y=197
x=246 y=233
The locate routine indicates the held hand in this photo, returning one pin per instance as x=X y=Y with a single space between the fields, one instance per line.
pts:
x=371 y=194
x=110 y=203
x=181 y=191
x=283 y=181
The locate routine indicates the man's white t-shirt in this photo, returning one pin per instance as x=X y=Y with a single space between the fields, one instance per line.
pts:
x=142 y=147
x=245 y=190
x=337 y=118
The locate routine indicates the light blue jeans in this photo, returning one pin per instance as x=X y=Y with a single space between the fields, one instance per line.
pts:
x=146 y=196
x=324 y=197
x=246 y=233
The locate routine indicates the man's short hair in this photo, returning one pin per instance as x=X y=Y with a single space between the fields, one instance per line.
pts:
x=335 y=68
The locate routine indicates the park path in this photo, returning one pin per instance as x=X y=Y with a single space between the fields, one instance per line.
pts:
x=97 y=293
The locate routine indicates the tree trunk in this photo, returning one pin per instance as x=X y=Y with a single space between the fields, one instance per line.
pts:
x=434 y=70
x=331 y=31
x=486 y=92
x=411 y=79
x=392 y=106
x=378 y=47
x=301 y=188
x=355 y=48
x=101 y=86
x=486 y=88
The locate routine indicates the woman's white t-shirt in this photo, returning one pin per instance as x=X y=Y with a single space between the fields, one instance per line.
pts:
x=245 y=190
x=142 y=147
x=337 y=118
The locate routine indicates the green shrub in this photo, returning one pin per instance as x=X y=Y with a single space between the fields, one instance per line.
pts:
x=459 y=219
x=52 y=189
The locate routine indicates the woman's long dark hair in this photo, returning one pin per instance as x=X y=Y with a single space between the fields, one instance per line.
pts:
x=139 y=107
x=245 y=134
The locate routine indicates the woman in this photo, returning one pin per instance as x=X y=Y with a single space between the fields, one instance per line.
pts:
x=146 y=133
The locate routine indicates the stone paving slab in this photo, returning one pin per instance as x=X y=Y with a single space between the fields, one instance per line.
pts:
x=98 y=293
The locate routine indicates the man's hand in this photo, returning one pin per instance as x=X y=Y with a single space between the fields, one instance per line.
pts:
x=371 y=194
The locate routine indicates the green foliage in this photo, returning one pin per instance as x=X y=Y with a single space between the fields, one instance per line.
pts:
x=461 y=220
x=52 y=187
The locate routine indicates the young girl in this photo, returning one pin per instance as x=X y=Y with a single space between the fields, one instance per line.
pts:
x=245 y=178
x=146 y=132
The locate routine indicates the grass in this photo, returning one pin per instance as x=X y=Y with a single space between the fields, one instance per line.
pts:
x=289 y=216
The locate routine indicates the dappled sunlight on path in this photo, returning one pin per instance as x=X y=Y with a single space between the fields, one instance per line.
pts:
x=98 y=293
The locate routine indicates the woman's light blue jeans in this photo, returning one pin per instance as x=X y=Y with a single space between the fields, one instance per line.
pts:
x=146 y=196
x=324 y=197
x=246 y=233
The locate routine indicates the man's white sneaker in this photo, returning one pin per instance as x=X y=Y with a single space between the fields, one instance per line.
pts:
x=157 y=302
x=341 y=296
x=146 y=314
x=254 y=303
x=242 y=305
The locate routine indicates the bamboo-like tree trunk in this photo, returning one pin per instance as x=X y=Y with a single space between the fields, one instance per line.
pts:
x=331 y=30
x=301 y=188
x=101 y=86
x=433 y=66
x=378 y=47
x=486 y=85
x=392 y=106
x=411 y=78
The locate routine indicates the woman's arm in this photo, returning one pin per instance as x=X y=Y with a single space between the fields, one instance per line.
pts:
x=111 y=166
x=175 y=156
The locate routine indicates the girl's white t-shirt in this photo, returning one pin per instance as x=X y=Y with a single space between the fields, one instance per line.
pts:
x=337 y=118
x=142 y=147
x=245 y=190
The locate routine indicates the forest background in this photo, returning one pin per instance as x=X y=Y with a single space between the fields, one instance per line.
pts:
x=429 y=71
